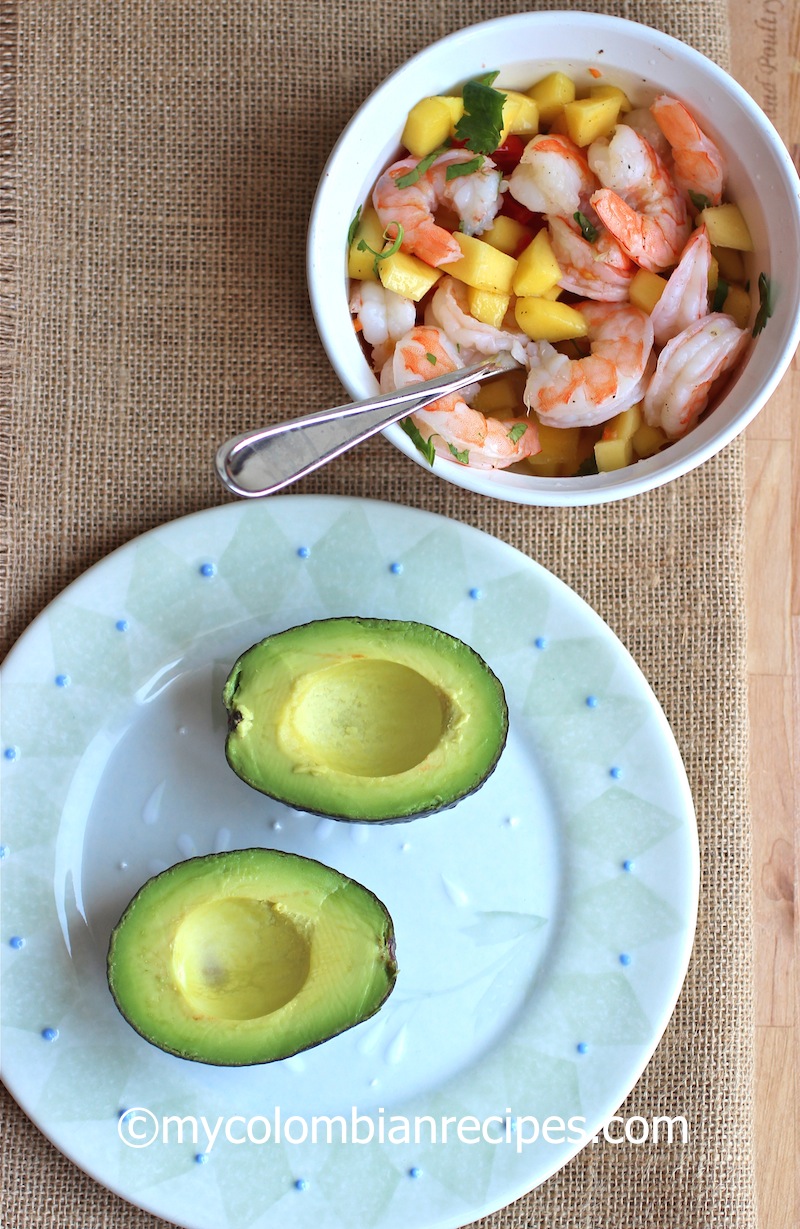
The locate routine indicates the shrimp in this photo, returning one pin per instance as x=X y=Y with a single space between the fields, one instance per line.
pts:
x=598 y=270
x=552 y=177
x=448 y=311
x=581 y=392
x=699 y=165
x=687 y=367
x=475 y=198
x=383 y=315
x=685 y=296
x=463 y=433
x=642 y=120
x=638 y=201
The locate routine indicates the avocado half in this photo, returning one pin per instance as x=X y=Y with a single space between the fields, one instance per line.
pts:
x=364 y=719
x=250 y=956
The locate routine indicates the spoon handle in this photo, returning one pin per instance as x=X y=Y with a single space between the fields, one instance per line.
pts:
x=264 y=461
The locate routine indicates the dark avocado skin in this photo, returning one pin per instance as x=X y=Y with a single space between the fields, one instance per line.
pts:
x=385 y=957
x=406 y=815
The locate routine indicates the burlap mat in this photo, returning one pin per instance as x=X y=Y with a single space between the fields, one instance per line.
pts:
x=167 y=154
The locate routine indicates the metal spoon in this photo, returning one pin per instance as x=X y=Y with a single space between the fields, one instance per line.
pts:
x=264 y=461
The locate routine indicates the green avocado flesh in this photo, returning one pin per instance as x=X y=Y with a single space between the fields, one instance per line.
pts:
x=364 y=719
x=250 y=956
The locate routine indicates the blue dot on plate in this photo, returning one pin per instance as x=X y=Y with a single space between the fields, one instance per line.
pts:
x=627 y=865
x=582 y=1047
x=540 y=642
x=4 y=851
x=303 y=552
x=301 y=1184
x=396 y=569
x=415 y=1172
x=207 y=569
x=202 y=1158
x=16 y=941
x=11 y=753
x=63 y=680
x=122 y=625
x=615 y=772
x=50 y=1034
x=591 y=701
x=476 y=594
x=624 y=958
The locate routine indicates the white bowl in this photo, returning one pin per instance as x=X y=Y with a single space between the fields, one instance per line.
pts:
x=525 y=47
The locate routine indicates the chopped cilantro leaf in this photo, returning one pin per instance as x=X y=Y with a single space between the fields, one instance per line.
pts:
x=457 y=169
x=390 y=251
x=765 y=306
x=463 y=457
x=351 y=233
x=588 y=231
x=411 y=177
x=415 y=435
x=517 y=431
x=720 y=295
x=430 y=357
x=699 y=201
x=482 y=122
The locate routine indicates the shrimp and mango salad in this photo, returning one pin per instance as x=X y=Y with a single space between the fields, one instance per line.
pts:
x=590 y=239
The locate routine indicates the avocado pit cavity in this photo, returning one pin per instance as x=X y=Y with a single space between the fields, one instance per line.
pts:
x=364 y=717
x=239 y=958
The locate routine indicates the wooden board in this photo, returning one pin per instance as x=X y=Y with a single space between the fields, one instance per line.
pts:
x=765 y=37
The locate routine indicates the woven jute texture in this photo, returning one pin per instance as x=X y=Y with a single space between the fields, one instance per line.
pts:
x=154 y=222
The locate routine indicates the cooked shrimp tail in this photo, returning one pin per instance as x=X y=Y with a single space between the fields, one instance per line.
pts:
x=699 y=165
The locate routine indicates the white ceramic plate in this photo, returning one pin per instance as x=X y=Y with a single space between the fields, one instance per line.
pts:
x=543 y=925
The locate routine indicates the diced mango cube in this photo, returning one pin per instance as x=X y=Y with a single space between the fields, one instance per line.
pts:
x=559 y=125
x=407 y=275
x=611 y=91
x=737 y=304
x=545 y=320
x=481 y=265
x=361 y=265
x=487 y=306
x=501 y=396
x=625 y=424
x=646 y=289
x=508 y=235
x=647 y=441
x=726 y=227
x=553 y=293
x=560 y=443
x=731 y=264
x=428 y=126
x=590 y=118
x=455 y=104
x=613 y=454
x=510 y=109
x=713 y=275
x=537 y=268
x=545 y=467
x=526 y=118
x=550 y=94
